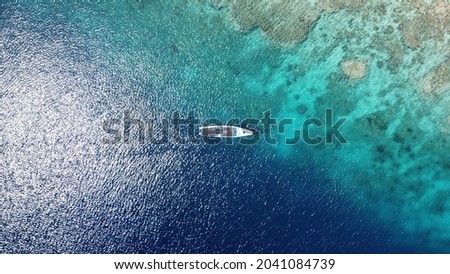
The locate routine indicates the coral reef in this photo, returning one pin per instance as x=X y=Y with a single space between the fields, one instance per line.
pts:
x=285 y=22
x=281 y=21
x=438 y=80
x=431 y=22
x=354 y=69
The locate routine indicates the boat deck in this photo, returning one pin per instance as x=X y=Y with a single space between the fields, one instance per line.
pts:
x=222 y=131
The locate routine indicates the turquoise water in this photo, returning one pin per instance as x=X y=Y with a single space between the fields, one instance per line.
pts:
x=70 y=66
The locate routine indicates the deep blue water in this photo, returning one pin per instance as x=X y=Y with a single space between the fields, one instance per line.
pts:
x=244 y=202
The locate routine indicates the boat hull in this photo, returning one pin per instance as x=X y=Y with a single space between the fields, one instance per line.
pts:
x=225 y=131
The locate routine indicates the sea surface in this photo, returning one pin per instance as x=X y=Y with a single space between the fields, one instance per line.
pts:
x=70 y=66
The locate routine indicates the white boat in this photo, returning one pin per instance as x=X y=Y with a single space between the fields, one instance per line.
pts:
x=225 y=131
